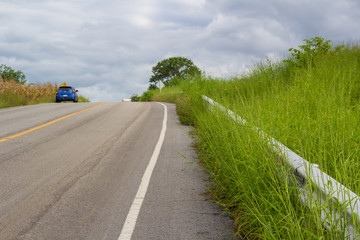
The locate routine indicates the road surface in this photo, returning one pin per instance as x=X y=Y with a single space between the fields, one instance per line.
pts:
x=72 y=171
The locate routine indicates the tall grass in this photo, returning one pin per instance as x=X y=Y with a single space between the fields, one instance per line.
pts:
x=14 y=94
x=167 y=94
x=314 y=109
x=83 y=99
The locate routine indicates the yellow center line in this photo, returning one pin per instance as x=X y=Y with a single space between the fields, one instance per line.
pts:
x=47 y=124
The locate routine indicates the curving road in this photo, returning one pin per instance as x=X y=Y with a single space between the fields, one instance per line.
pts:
x=74 y=170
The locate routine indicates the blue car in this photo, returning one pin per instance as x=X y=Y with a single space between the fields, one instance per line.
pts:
x=66 y=93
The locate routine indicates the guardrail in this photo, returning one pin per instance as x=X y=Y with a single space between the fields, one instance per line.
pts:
x=339 y=206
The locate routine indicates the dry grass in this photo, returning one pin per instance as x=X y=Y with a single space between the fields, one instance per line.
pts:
x=28 y=91
x=14 y=94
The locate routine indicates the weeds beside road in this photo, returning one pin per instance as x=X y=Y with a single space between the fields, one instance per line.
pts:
x=311 y=103
x=15 y=94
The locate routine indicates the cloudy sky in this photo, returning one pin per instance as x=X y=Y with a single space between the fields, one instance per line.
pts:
x=107 y=48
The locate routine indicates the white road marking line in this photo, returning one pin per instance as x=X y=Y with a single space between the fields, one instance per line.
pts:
x=130 y=222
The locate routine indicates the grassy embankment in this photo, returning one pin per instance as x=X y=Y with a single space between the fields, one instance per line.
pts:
x=15 y=94
x=313 y=107
x=167 y=94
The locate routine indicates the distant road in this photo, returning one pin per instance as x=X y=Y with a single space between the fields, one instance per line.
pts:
x=77 y=177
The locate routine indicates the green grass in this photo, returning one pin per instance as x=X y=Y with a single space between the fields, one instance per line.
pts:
x=167 y=94
x=83 y=99
x=12 y=100
x=314 y=109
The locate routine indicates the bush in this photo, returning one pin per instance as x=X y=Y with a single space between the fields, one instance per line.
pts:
x=313 y=48
x=146 y=96
x=83 y=99
x=135 y=98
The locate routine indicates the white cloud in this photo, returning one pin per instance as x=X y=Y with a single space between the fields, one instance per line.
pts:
x=102 y=92
x=107 y=48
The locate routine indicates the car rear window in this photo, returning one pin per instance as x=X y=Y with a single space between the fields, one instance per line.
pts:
x=65 y=89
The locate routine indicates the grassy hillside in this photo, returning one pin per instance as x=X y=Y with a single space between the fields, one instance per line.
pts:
x=168 y=94
x=309 y=102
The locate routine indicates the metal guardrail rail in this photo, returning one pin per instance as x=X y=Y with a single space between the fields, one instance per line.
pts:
x=339 y=206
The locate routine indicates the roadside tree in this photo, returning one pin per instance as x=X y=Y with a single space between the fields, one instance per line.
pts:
x=8 y=74
x=172 y=70
x=135 y=98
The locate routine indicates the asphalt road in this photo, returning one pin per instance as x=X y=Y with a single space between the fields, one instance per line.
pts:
x=77 y=177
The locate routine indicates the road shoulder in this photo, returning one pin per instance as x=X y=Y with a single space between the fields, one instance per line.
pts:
x=176 y=205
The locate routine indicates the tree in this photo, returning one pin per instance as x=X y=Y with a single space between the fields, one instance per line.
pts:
x=135 y=98
x=172 y=70
x=8 y=74
x=313 y=48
